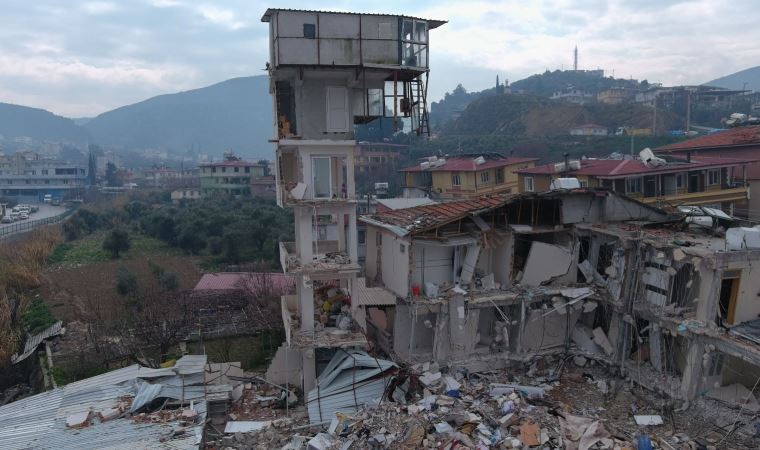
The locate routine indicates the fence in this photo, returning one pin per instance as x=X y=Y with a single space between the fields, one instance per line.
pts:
x=29 y=225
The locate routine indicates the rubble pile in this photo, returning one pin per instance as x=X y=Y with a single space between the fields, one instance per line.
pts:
x=569 y=403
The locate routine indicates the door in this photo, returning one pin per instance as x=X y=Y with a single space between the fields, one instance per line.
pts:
x=337 y=109
x=729 y=291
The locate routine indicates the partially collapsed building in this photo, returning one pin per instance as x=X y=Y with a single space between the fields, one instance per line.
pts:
x=668 y=299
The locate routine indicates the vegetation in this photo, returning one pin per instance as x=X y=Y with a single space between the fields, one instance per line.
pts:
x=116 y=242
x=126 y=282
x=37 y=317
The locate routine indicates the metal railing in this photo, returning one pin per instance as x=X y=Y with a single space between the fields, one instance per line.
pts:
x=31 y=224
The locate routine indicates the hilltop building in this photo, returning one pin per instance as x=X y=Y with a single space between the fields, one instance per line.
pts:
x=464 y=176
x=231 y=177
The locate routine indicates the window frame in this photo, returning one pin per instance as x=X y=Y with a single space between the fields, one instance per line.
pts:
x=500 y=175
x=681 y=180
x=485 y=177
x=637 y=183
x=528 y=181
x=710 y=174
x=456 y=179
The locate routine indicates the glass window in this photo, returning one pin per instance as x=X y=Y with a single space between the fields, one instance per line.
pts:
x=455 y=180
x=362 y=237
x=713 y=177
x=485 y=177
x=680 y=181
x=499 y=175
x=529 y=184
x=320 y=172
x=309 y=31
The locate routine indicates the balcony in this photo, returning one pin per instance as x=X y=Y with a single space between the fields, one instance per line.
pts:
x=326 y=337
x=327 y=259
x=706 y=197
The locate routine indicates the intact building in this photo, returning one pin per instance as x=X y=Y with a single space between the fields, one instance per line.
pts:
x=26 y=176
x=229 y=177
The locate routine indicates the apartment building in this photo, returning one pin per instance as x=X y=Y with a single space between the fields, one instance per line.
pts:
x=329 y=71
x=711 y=181
x=485 y=283
x=230 y=177
x=465 y=176
x=29 y=177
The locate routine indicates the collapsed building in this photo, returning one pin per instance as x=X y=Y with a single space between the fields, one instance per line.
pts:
x=667 y=299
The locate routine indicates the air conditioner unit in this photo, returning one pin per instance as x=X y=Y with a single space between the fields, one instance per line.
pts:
x=480 y=160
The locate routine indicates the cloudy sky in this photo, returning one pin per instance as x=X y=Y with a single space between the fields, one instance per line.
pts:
x=79 y=58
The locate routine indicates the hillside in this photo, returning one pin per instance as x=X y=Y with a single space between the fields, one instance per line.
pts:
x=736 y=80
x=232 y=115
x=38 y=124
x=530 y=115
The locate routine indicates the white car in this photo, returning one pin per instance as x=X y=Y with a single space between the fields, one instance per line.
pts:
x=23 y=216
x=6 y=219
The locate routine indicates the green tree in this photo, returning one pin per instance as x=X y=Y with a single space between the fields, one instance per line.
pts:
x=116 y=241
x=112 y=177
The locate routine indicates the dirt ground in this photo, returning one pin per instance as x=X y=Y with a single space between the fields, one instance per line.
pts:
x=67 y=288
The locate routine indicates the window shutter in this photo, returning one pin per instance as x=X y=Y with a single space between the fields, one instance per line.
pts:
x=337 y=109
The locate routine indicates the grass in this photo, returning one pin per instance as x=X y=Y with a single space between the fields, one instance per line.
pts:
x=37 y=316
x=89 y=250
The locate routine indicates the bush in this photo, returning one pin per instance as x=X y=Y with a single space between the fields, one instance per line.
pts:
x=116 y=241
x=126 y=282
x=37 y=316
x=215 y=245
x=168 y=281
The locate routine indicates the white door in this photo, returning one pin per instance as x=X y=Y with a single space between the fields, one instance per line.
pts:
x=321 y=176
x=337 y=109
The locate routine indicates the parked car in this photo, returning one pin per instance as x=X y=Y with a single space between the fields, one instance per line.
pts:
x=6 y=219
x=48 y=198
x=23 y=216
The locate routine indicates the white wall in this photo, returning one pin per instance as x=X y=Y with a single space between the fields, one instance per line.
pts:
x=395 y=264
x=748 y=301
x=370 y=263
x=432 y=264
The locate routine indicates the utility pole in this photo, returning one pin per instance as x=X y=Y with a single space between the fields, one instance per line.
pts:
x=654 y=120
x=688 y=111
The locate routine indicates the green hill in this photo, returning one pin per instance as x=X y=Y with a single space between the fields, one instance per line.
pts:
x=232 y=115
x=38 y=124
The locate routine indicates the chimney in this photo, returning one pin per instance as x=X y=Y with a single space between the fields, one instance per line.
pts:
x=688 y=156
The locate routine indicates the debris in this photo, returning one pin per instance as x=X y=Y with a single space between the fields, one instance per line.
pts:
x=530 y=434
x=648 y=420
x=735 y=394
x=321 y=441
x=245 y=426
x=600 y=338
x=428 y=378
x=78 y=420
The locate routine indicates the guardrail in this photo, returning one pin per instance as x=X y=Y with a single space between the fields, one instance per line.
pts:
x=31 y=224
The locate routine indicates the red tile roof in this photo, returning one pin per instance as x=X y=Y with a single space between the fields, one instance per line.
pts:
x=620 y=168
x=590 y=125
x=733 y=137
x=430 y=216
x=459 y=164
x=238 y=281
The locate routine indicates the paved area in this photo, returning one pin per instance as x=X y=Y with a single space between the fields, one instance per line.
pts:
x=44 y=212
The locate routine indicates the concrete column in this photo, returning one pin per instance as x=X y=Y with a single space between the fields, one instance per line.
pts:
x=709 y=293
x=353 y=288
x=457 y=322
x=353 y=236
x=692 y=372
x=655 y=347
x=350 y=182
x=305 y=293
x=309 y=370
x=304 y=233
x=341 y=224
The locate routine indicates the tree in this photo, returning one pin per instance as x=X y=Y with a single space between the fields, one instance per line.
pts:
x=91 y=168
x=116 y=241
x=112 y=176
x=126 y=282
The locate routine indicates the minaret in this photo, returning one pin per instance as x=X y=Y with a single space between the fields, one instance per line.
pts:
x=575 y=59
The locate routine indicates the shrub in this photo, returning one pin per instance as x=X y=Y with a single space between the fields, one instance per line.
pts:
x=126 y=282
x=215 y=245
x=168 y=281
x=37 y=316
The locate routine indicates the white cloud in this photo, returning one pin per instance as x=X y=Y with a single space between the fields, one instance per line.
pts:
x=220 y=16
x=96 y=8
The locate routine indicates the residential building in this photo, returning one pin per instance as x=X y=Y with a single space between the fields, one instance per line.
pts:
x=374 y=156
x=706 y=180
x=615 y=96
x=739 y=142
x=232 y=176
x=160 y=176
x=666 y=301
x=185 y=194
x=589 y=129
x=327 y=72
x=265 y=186
x=102 y=161
x=574 y=95
x=464 y=176
x=28 y=177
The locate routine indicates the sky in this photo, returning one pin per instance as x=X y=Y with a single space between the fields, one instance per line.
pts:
x=79 y=58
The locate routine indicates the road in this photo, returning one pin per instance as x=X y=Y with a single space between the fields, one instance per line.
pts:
x=44 y=212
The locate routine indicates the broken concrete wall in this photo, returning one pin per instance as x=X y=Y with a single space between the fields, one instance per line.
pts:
x=413 y=333
x=747 y=300
x=286 y=367
x=546 y=262
x=618 y=208
x=501 y=257
x=433 y=263
x=735 y=370
x=577 y=209
x=395 y=263
x=543 y=331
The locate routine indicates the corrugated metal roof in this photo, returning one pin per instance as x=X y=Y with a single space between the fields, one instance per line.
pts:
x=32 y=342
x=430 y=216
x=432 y=23
x=401 y=203
x=351 y=379
x=374 y=296
x=39 y=421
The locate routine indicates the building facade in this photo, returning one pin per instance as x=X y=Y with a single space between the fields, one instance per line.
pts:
x=229 y=177
x=466 y=176
x=706 y=181
x=589 y=129
x=329 y=71
x=27 y=176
